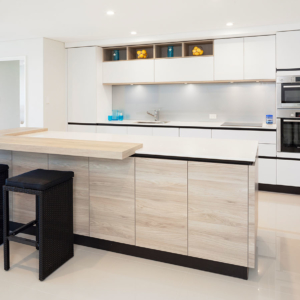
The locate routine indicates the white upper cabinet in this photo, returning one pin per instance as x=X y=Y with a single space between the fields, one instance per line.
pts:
x=259 y=57
x=82 y=85
x=184 y=69
x=229 y=59
x=134 y=71
x=288 y=49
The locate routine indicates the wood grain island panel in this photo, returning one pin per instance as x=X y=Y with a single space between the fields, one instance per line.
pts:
x=161 y=204
x=112 y=203
x=218 y=212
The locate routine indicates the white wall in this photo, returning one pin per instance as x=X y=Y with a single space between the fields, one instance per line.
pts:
x=32 y=49
x=55 y=102
x=9 y=94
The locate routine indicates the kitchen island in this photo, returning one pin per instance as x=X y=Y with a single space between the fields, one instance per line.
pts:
x=186 y=201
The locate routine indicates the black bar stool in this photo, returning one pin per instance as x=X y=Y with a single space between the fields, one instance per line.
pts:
x=54 y=217
x=3 y=177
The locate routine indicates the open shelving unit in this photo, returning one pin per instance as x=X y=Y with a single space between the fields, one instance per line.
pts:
x=160 y=51
x=108 y=53
x=207 y=47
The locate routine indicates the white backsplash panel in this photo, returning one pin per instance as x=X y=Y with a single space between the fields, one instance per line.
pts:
x=235 y=102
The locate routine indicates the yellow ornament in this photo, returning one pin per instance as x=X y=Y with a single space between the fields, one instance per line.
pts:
x=142 y=54
x=197 y=51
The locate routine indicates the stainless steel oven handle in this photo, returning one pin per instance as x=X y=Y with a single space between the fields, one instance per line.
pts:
x=291 y=86
x=293 y=121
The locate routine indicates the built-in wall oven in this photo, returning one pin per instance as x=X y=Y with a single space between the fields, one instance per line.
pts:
x=288 y=130
x=288 y=91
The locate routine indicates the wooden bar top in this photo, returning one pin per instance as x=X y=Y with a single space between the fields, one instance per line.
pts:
x=13 y=140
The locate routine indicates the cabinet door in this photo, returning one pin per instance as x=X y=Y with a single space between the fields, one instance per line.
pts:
x=112 y=206
x=112 y=129
x=267 y=150
x=267 y=171
x=195 y=133
x=218 y=212
x=159 y=131
x=138 y=130
x=82 y=85
x=288 y=49
x=134 y=71
x=184 y=69
x=259 y=57
x=263 y=137
x=161 y=204
x=288 y=172
x=82 y=128
x=229 y=59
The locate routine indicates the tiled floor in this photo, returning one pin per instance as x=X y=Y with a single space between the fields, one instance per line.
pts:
x=97 y=274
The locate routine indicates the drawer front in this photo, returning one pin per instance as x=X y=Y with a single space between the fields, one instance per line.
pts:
x=288 y=172
x=195 y=133
x=135 y=130
x=166 y=132
x=112 y=129
x=267 y=150
x=263 y=137
x=267 y=171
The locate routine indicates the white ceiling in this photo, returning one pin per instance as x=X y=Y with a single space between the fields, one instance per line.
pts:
x=78 y=20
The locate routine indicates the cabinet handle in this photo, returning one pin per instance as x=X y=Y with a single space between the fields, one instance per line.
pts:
x=293 y=121
x=291 y=86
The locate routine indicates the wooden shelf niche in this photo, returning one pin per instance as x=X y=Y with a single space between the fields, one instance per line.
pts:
x=207 y=46
x=132 y=51
x=161 y=50
x=108 y=53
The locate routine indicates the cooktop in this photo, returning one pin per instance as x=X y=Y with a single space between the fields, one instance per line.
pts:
x=242 y=124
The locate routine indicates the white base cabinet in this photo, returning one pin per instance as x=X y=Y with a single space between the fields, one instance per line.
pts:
x=136 y=130
x=82 y=128
x=184 y=69
x=288 y=172
x=159 y=131
x=112 y=129
x=195 y=133
x=267 y=171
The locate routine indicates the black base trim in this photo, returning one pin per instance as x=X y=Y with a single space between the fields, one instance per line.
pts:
x=156 y=255
x=220 y=161
x=172 y=126
x=279 y=188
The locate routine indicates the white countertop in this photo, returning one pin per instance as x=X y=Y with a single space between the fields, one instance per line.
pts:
x=215 y=149
x=187 y=124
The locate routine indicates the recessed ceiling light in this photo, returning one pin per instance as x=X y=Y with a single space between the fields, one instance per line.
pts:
x=231 y=81
x=229 y=24
x=110 y=13
x=133 y=32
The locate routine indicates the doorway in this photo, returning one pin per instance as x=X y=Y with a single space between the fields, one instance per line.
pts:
x=12 y=93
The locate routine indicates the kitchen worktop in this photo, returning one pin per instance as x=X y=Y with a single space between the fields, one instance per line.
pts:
x=213 y=125
x=210 y=149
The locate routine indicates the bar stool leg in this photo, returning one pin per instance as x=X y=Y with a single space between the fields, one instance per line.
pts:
x=6 y=230
x=37 y=221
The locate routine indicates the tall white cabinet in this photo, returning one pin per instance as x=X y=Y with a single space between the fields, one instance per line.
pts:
x=288 y=49
x=228 y=59
x=88 y=100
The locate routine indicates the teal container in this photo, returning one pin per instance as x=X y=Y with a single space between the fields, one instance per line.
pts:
x=170 y=51
x=116 y=55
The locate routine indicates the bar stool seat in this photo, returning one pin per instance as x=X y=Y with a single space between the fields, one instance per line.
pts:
x=54 y=217
x=3 y=177
x=39 y=179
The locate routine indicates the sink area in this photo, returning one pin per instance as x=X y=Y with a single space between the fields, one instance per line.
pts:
x=152 y=122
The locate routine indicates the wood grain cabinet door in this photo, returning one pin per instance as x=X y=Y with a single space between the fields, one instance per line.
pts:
x=218 y=212
x=161 y=204
x=112 y=207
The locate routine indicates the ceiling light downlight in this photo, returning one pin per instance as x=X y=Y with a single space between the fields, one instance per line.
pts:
x=229 y=24
x=133 y=32
x=110 y=13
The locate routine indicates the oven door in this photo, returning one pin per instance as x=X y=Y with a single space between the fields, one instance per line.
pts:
x=290 y=135
x=290 y=94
